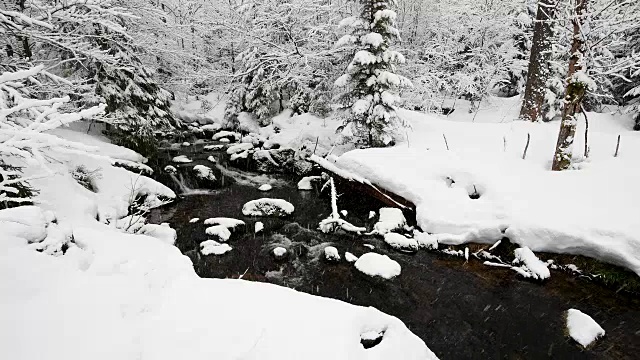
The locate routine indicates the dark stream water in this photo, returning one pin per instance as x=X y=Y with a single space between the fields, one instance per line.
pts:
x=462 y=310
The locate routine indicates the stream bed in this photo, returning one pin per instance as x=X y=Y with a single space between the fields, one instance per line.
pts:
x=461 y=309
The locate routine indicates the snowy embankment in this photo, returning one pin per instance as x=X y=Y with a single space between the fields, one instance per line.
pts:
x=480 y=188
x=80 y=287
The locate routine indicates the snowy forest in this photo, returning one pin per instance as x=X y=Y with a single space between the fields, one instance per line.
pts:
x=319 y=179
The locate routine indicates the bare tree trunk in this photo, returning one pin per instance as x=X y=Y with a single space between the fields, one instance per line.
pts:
x=538 y=72
x=574 y=94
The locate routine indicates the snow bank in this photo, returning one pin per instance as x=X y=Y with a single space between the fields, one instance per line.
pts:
x=163 y=232
x=267 y=207
x=481 y=189
x=374 y=264
x=582 y=328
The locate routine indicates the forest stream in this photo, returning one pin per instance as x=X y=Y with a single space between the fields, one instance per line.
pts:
x=461 y=309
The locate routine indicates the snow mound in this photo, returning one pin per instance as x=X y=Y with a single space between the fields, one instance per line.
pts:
x=267 y=207
x=582 y=328
x=265 y=187
x=229 y=223
x=211 y=247
x=531 y=266
x=390 y=219
x=306 y=183
x=279 y=252
x=331 y=253
x=220 y=231
x=163 y=232
x=204 y=172
x=350 y=257
x=374 y=264
x=401 y=242
x=183 y=159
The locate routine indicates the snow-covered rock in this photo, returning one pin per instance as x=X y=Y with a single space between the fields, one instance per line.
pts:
x=212 y=159
x=369 y=246
x=279 y=253
x=331 y=254
x=183 y=159
x=306 y=183
x=582 y=328
x=212 y=247
x=390 y=219
x=163 y=232
x=170 y=169
x=531 y=266
x=194 y=220
x=215 y=147
x=229 y=135
x=229 y=223
x=350 y=257
x=374 y=264
x=372 y=214
x=425 y=240
x=401 y=242
x=265 y=187
x=259 y=226
x=204 y=172
x=239 y=148
x=220 y=231
x=186 y=143
x=268 y=207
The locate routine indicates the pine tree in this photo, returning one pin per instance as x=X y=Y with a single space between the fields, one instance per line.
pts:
x=370 y=99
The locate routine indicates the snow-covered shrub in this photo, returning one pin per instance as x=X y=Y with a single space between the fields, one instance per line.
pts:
x=85 y=177
x=369 y=100
x=13 y=186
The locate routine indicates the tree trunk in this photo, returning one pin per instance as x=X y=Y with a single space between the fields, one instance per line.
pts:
x=574 y=94
x=538 y=72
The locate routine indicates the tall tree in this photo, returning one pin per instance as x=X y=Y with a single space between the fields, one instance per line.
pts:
x=578 y=82
x=371 y=82
x=538 y=72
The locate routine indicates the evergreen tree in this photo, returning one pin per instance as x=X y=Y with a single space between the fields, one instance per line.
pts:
x=371 y=82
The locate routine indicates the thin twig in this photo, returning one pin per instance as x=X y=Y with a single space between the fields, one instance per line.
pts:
x=526 y=147
x=445 y=141
x=617 y=147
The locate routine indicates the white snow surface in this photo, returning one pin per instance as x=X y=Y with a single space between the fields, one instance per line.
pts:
x=229 y=223
x=591 y=210
x=212 y=247
x=531 y=265
x=181 y=159
x=374 y=264
x=400 y=242
x=114 y=295
x=279 y=251
x=306 y=182
x=350 y=257
x=390 y=219
x=268 y=207
x=582 y=328
x=265 y=187
x=259 y=226
x=221 y=231
x=331 y=253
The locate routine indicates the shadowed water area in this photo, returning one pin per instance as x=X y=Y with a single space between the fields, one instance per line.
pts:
x=462 y=310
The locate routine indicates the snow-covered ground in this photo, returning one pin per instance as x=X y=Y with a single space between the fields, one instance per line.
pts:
x=116 y=295
x=591 y=210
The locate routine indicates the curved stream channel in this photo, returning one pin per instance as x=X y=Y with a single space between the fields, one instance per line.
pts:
x=462 y=310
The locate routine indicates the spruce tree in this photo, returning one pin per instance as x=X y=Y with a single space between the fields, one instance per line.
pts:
x=371 y=83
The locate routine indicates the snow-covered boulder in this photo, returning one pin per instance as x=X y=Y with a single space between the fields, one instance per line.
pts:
x=183 y=159
x=212 y=159
x=211 y=247
x=401 y=242
x=194 y=220
x=229 y=223
x=170 y=169
x=306 y=183
x=229 y=135
x=279 y=253
x=268 y=207
x=274 y=160
x=331 y=254
x=259 y=226
x=204 y=172
x=215 y=147
x=390 y=219
x=265 y=187
x=582 y=328
x=530 y=265
x=374 y=264
x=219 y=231
x=163 y=232
x=238 y=148
x=186 y=143
x=350 y=257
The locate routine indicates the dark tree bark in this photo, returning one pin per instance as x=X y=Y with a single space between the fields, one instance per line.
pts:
x=538 y=72
x=574 y=94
